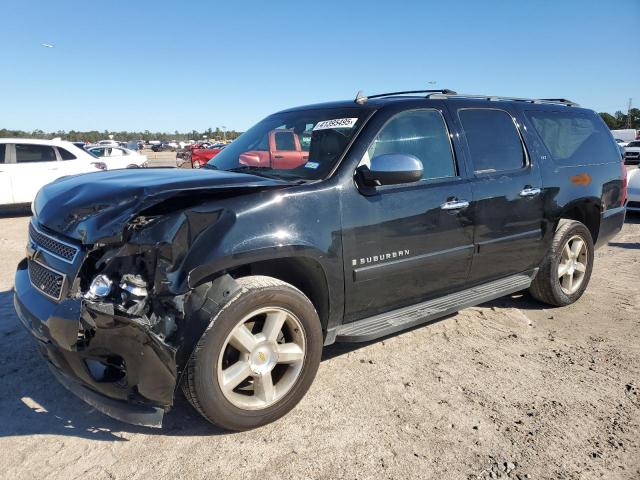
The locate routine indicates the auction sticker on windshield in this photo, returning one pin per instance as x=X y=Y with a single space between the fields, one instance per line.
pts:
x=335 y=123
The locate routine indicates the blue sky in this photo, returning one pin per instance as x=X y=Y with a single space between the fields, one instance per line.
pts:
x=160 y=65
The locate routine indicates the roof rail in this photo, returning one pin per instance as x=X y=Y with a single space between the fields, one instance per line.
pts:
x=560 y=101
x=361 y=98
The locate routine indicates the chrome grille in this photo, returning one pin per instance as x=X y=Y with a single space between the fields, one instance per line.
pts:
x=45 y=279
x=56 y=247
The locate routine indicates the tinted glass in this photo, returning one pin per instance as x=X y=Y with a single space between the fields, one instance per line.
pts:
x=98 y=152
x=285 y=141
x=493 y=140
x=34 y=153
x=421 y=133
x=574 y=138
x=66 y=154
x=3 y=148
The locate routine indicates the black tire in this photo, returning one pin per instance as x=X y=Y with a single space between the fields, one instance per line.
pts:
x=200 y=384
x=133 y=165
x=546 y=286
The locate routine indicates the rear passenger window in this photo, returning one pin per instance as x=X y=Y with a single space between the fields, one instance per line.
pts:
x=493 y=140
x=574 y=138
x=66 y=154
x=26 y=153
x=3 y=148
x=421 y=133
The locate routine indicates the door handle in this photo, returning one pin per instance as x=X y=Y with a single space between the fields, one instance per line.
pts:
x=454 y=205
x=529 y=192
x=277 y=156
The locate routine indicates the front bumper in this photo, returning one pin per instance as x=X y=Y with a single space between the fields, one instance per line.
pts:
x=116 y=365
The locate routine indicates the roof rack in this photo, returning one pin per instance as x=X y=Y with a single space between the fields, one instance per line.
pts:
x=560 y=101
x=361 y=98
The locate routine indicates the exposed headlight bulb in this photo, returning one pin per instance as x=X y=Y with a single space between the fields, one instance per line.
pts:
x=100 y=287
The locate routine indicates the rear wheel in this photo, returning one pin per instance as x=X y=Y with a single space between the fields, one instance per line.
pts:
x=258 y=357
x=565 y=272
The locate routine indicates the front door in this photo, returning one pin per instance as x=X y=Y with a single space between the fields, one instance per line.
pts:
x=286 y=152
x=6 y=196
x=407 y=243
x=507 y=194
x=34 y=167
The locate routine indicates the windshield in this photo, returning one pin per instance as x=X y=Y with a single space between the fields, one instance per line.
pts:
x=304 y=144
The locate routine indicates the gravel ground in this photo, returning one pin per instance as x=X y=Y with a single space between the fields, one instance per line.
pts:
x=509 y=389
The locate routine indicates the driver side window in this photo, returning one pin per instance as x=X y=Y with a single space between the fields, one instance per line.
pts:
x=421 y=133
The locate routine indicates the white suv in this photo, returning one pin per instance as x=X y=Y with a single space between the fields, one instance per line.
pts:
x=26 y=165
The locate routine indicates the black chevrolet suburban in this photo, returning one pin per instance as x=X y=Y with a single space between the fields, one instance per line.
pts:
x=338 y=222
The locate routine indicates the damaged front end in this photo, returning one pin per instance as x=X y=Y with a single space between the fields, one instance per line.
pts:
x=116 y=318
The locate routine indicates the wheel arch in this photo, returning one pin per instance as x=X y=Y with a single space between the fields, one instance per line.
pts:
x=305 y=273
x=586 y=211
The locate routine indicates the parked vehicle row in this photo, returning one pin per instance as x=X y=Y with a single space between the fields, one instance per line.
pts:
x=28 y=164
x=339 y=222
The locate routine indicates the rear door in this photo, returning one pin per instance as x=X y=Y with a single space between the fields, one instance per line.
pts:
x=507 y=205
x=73 y=162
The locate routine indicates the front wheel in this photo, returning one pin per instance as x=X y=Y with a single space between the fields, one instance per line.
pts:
x=565 y=272
x=257 y=358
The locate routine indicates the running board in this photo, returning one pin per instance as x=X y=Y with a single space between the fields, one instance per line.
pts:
x=396 y=320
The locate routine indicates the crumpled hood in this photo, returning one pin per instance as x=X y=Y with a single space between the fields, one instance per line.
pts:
x=95 y=207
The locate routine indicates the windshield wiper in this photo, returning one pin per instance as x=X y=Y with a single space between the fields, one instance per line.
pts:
x=261 y=172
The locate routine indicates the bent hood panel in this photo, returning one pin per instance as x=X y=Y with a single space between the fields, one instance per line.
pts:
x=95 y=207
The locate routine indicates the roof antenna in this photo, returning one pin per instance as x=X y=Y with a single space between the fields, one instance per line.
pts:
x=361 y=98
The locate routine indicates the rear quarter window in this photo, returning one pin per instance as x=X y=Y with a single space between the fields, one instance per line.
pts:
x=66 y=154
x=574 y=138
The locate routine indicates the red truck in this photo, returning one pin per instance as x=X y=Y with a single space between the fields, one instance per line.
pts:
x=284 y=152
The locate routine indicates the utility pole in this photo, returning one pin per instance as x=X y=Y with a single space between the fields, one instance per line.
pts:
x=629 y=112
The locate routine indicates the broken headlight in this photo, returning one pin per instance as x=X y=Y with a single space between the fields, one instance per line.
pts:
x=100 y=288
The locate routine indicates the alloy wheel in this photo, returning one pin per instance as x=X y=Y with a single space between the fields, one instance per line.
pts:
x=573 y=264
x=261 y=358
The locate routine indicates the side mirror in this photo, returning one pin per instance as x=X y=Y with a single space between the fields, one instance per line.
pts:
x=391 y=169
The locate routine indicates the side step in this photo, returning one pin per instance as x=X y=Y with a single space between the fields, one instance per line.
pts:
x=396 y=320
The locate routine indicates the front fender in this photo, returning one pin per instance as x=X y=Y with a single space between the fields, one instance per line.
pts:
x=251 y=253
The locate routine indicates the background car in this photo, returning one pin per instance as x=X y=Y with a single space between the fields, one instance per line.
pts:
x=108 y=142
x=632 y=152
x=26 y=165
x=200 y=156
x=633 y=190
x=119 y=157
x=161 y=147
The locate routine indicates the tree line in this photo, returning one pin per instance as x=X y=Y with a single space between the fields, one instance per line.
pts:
x=91 y=136
x=616 y=121
x=621 y=120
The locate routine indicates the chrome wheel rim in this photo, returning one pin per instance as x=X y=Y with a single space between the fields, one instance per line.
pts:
x=261 y=358
x=573 y=264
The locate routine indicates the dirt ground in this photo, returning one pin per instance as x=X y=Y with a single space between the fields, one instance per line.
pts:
x=510 y=389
